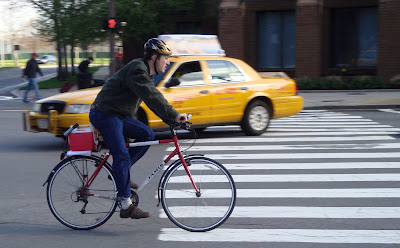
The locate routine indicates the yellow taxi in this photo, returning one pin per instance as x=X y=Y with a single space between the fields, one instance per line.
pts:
x=215 y=89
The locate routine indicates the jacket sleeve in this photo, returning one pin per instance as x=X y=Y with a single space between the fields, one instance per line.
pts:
x=143 y=87
x=38 y=70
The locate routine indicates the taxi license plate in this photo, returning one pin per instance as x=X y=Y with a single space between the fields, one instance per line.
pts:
x=43 y=123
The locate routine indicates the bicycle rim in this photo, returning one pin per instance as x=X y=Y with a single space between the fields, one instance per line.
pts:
x=198 y=213
x=68 y=205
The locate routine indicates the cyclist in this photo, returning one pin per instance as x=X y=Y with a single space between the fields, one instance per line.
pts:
x=113 y=110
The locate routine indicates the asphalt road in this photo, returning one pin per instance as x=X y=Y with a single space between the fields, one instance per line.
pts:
x=318 y=179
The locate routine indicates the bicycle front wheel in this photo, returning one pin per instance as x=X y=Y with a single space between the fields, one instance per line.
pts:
x=79 y=209
x=198 y=212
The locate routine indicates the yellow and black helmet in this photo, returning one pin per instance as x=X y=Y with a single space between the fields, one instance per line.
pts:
x=156 y=45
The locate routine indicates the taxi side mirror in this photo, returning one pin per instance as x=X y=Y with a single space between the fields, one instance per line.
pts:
x=172 y=82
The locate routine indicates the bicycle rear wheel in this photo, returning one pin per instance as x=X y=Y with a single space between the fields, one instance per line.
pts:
x=204 y=212
x=69 y=205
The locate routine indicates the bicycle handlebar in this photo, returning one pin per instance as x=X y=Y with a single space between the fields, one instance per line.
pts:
x=76 y=125
x=182 y=125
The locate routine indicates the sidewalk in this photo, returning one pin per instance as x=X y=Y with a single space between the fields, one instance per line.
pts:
x=351 y=99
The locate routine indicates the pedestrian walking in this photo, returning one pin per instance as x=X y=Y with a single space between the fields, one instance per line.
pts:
x=30 y=72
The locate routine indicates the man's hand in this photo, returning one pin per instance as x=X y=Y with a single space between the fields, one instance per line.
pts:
x=181 y=118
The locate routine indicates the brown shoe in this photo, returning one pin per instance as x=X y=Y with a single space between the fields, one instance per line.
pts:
x=134 y=185
x=133 y=212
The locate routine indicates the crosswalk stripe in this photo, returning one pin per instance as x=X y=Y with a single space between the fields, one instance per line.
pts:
x=308 y=166
x=288 y=139
x=358 y=125
x=294 y=147
x=287 y=212
x=296 y=129
x=297 y=193
x=284 y=235
x=305 y=155
x=330 y=133
x=381 y=177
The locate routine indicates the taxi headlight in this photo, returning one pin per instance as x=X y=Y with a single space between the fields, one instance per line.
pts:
x=37 y=107
x=78 y=108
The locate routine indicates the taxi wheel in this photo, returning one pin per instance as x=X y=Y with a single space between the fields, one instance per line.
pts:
x=256 y=118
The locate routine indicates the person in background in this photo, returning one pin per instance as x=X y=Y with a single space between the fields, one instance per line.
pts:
x=84 y=65
x=30 y=71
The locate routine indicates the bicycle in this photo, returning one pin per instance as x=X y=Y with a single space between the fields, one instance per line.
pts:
x=197 y=193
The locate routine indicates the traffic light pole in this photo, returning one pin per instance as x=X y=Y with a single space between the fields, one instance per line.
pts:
x=112 y=39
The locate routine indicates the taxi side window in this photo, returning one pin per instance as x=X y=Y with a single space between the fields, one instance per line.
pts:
x=189 y=74
x=224 y=71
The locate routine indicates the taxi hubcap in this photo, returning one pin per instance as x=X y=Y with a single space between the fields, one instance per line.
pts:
x=258 y=118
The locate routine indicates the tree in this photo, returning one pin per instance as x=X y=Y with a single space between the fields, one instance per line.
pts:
x=70 y=22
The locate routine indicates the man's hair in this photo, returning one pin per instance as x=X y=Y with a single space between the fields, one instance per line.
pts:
x=90 y=58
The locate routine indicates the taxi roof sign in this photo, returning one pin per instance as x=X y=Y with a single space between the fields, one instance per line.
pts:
x=193 y=44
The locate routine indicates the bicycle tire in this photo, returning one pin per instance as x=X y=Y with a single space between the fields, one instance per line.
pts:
x=68 y=205
x=198 y=213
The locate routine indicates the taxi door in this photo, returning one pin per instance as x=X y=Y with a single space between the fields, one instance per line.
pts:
x=192 y=95
x=229 y=87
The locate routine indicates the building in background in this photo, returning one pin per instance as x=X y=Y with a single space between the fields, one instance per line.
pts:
x=313 y=38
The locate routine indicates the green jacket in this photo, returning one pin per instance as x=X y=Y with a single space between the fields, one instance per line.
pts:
x=123 y=93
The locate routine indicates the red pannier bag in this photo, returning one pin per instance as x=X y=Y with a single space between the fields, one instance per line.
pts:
x=83 y=139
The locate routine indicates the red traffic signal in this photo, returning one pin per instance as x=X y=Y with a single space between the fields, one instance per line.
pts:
x=111 y=23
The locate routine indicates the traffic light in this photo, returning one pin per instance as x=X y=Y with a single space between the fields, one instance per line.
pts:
x=112 y=24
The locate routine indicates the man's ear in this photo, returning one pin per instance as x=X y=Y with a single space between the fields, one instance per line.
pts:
x=154 y=57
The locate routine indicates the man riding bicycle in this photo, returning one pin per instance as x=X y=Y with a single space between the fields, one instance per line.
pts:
x=113 y=110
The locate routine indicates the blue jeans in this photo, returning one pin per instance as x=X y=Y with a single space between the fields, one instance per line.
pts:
x=114 y=130
x=32 y=85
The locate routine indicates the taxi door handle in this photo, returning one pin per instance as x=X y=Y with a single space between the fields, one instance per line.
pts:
x=204 y=92
x=244 y=88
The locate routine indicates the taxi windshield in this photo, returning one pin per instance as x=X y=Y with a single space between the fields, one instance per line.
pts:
x=157 y=78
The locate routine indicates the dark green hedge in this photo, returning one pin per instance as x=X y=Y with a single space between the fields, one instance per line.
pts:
x=336 y=83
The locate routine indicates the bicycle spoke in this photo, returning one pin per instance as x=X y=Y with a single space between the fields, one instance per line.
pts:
x=79 y=209
x=204 y=212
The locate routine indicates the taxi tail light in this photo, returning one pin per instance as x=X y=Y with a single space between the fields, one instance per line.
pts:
x=296 y=87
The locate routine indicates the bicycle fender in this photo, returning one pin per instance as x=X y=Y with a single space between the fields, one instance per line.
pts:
x=58 y=165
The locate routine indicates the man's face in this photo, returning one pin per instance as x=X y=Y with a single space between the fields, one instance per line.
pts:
x=162 y=63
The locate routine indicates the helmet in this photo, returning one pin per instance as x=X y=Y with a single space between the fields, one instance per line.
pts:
x=156 y=45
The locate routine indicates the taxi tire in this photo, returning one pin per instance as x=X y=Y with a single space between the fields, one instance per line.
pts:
x=256 y=105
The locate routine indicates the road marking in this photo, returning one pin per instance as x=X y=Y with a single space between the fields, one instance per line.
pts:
x=378 y=177
x=390 y=111
x=264 y=139
x=295 y=147
x=295 y=193
x=305 y=155
x=286 y=212
x=359 y=125
x=308 y=166
x=328 y=130
x=283 y=235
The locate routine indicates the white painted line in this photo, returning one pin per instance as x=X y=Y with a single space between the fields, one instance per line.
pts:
x=286 y=212
x=308 y=166
x=330 y=129
x=390 y=111
x=283 y=235
x=313 y=119
x=290 y=139
x=300 y=133
x=305 y=155
x=294 y=193
x=325 y=125
x=295 y=147
x=377 y=177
